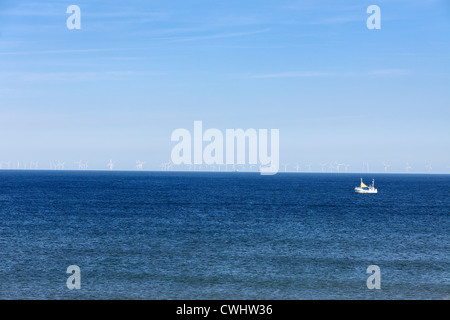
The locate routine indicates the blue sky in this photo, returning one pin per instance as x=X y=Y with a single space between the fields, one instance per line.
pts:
x=137 y=70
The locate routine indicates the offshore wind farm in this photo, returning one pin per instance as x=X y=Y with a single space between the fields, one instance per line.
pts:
x=302 y=167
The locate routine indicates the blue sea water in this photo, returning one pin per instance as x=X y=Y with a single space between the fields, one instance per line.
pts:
x=174 y=235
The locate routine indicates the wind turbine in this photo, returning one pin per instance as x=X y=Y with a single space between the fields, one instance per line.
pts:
x=80 y=164
x=429 y=167
x=59 y=165
x=346 y=167
x=139 y=165
x=386 y=167
x=323 y=166
x=407 y=167
x=297 y=167
x=110 y=165
x=338 y=166
x=331 y=167
x=309 y=167
x=285 y=166
x=166 y=166
x=365 y=166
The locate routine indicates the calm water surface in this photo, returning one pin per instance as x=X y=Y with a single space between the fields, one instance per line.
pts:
x=148 y=235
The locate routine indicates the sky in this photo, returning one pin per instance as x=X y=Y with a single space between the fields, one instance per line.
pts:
x=137 y=70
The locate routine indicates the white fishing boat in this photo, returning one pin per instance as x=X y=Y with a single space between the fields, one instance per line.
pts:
x=366 y=189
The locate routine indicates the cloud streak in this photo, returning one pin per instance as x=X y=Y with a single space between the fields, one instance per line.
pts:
x=316 y=74
x=389 y=72
x=289 y=75
x=220 y=36
x=73 y=76
x=64 y=51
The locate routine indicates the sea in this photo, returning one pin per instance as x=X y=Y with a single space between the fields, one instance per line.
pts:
x=223 y=235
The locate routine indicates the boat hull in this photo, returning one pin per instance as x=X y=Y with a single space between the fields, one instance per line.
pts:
x=363 y=190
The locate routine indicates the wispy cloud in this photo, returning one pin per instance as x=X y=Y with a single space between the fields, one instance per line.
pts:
x=220 y=36
x=340 y=20
x=122 y=13
x=315 y=74
x=389 y=72
x=334 y=118
x=288 y=75
x=34 y=52
x=323 y=5
x=73 y=76
x=57 y=9
x=34 y=9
